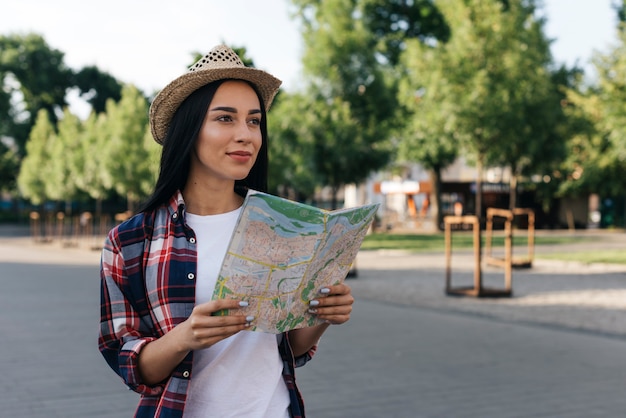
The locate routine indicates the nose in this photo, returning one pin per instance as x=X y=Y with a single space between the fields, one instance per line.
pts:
x=243 y=133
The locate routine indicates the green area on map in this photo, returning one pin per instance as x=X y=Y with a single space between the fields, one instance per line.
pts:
x=283 y=252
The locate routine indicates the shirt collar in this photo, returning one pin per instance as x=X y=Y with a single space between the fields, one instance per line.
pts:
x=176 y=204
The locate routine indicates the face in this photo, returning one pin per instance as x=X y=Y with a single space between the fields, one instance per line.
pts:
x=230 y=137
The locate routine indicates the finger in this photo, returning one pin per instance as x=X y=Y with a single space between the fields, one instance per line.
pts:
x=334 y=317
x=338 y=289
x=225 y=331
x=332 y=314
x=213 y=306
x=331 y=310
x=339 y=300
x=207 y=330
x=218 y=321
x=209 y=336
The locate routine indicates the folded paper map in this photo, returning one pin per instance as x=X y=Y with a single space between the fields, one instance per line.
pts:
x=283 y=252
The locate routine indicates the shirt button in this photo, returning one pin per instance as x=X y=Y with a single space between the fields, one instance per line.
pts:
x=186 y=373
x=192 y=240
x=175 y=215
x=191 y=276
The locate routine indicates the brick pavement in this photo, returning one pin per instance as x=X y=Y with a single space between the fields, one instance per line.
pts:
x=556 y=349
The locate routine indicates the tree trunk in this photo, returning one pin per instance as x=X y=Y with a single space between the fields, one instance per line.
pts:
x=435 y=197
x=333 y=201
x=513 y=188
x=98 y=208
x=130 y=203
x=479 y=187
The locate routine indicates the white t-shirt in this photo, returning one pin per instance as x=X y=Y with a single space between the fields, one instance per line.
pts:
x=240 y=376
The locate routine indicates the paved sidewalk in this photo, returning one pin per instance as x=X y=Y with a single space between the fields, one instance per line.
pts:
x=585 y=297
x=554 y=349
x=589 y=298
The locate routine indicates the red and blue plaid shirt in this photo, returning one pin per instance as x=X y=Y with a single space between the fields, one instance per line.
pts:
x=148 y=271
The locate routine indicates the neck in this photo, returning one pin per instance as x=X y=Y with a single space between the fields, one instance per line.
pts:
x=211 y=201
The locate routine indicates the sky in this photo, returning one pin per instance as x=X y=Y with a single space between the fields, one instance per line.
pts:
x=149 y=43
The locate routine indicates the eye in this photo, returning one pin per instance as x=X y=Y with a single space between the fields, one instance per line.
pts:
x=225 y=118
x=255 y=121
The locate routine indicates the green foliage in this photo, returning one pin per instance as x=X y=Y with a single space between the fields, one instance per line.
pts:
x=429 y=131
x=32 y=178
x=486 y=92
x=9 y=165
x=500 y=59
x=34 y=77
x=96 y=87
x=128 y=159
x=64 y=150
x=30 y=69
x=342 y=151
x=438 y=79
x=90 y=169
x=597 y=153
x=394 y=22
x=351 y=99
x=292 y=171
x=428 y=134
x=620 y=9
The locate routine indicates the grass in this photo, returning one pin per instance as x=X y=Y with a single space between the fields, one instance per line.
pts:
x=436 y=242
x=588 y=257
x=464 y=240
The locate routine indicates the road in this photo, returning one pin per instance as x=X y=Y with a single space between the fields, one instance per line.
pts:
x=556 y=349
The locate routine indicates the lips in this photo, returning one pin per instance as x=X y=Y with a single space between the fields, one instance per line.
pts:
x=241 y=153
x=242 y=156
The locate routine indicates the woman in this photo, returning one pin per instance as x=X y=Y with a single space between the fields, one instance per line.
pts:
x=159 y=268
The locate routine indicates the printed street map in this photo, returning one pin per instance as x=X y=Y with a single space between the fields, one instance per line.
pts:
x=283 y=252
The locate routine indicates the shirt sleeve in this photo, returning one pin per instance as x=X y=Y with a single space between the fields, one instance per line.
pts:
x=291 y=361
x=123 y=332
x=304 y=358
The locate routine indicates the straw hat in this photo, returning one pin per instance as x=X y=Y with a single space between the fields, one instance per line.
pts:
x=219 y=64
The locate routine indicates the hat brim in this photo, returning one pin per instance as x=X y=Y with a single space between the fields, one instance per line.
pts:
x=170 y=98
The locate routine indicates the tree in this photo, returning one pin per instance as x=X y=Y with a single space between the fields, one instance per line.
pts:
x=31 y=179
x=130 y=159
x=532 y=136
x=394 y=22
x=428 y=136
x=597 y=156
x=90 y=168
x=349 y=88
x=292 y=171
x=497 y=83
x=64 y=151
x=9 y=166
x=620 y=8
x=34 y=74
x=96 y=87
x=342 y=152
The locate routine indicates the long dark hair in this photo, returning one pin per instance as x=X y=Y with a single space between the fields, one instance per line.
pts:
x=179 y=142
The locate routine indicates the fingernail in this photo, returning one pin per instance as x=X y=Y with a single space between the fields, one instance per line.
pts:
x=324 y=290
x=243 y=303
x=314 y=303
x=249 y=318
x=313 y=311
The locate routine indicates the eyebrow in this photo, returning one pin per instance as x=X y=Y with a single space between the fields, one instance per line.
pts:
x=233 y=110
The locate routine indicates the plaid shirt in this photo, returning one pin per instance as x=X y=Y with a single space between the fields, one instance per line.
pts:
x=148 y=270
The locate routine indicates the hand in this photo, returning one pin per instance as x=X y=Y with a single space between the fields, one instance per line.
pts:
x=203 y=329
x=334 y=308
